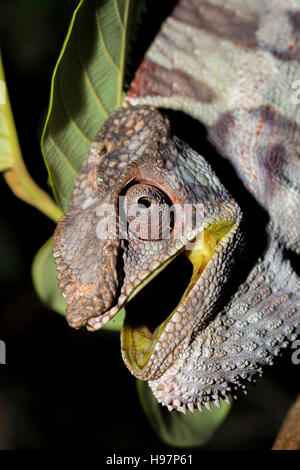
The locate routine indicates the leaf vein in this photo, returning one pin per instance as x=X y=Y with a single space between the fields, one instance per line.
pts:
x=122 y=56
x=118 y=13
x=108 y=55
x=56 y=146
x=79 y=130
x=91 y=86
x=61 y=194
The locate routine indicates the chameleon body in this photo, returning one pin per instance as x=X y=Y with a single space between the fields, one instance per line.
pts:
x=230 y=65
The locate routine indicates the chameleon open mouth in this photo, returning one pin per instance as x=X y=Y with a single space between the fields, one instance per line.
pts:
x=164 y=291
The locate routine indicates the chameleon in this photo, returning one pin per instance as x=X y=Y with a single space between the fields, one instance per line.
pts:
x=229 y=65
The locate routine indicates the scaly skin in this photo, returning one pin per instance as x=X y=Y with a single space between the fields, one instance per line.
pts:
x=259 y=321
x=231 y=65
x=231 y=74
x=94 y=288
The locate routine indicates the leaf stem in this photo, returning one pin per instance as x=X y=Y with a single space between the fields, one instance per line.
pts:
x=123 y=55
x=14 y=170
x=288 y=437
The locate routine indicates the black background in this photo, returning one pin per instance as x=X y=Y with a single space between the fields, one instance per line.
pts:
x=63 y=388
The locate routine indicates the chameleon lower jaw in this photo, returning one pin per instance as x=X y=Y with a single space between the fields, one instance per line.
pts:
x=138 y=338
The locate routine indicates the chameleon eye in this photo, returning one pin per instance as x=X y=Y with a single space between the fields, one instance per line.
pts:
x=147 y=210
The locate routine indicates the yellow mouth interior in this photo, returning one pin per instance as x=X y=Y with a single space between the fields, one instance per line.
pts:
x=138 y=341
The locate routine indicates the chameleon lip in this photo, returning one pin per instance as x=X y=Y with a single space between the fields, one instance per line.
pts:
x=138 y=341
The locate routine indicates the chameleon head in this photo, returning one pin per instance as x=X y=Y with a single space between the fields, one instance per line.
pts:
x=142 y=200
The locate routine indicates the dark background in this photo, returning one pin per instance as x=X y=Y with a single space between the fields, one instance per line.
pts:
x=63 y=388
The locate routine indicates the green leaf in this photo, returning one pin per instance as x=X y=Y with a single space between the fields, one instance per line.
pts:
x=46 y=285
x=87 y=85
x=9 y=144
x=177 y=429
x=116 y=323
x=44 y=278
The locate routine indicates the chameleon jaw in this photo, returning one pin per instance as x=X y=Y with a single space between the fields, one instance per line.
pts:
x=138 y=341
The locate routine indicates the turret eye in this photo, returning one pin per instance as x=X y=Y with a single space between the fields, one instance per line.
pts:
x=148 y=214
x=145 y=202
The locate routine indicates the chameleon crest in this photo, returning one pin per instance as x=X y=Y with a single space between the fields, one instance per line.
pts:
x=145 y=204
